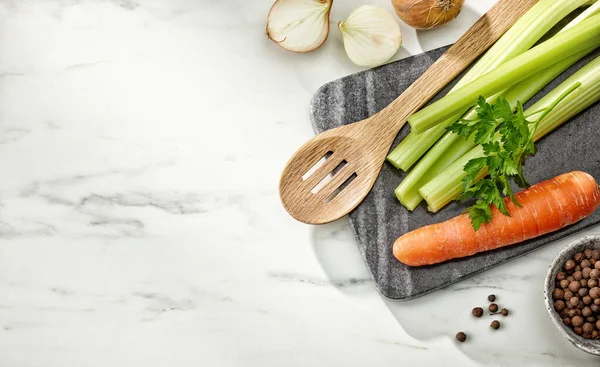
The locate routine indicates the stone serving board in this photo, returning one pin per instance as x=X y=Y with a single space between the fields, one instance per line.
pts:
x=380 y=219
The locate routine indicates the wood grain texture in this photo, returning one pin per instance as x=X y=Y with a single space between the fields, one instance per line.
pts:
x=364 y=145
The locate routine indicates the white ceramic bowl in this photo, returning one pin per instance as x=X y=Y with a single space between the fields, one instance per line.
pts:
x=593 y=242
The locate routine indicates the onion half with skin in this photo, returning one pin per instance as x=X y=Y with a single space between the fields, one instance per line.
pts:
x=371 y=36
x=299 y=25
x=427 y=14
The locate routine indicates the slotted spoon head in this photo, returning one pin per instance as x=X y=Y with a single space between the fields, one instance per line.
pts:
x=352 y=170
x=356 y=152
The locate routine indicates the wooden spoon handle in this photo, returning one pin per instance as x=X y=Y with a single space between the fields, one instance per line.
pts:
x=481 y=36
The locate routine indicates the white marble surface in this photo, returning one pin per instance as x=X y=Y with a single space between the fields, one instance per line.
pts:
x=140 y=147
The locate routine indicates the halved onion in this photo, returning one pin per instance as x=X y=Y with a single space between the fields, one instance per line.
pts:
x=371 y=36
x=299 y=25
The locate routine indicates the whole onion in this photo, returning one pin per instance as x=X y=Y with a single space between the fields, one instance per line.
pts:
x=427 y=14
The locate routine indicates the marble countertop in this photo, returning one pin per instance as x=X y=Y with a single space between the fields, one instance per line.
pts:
x=141 y=143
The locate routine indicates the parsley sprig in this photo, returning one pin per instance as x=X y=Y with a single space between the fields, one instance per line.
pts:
x=505 y=150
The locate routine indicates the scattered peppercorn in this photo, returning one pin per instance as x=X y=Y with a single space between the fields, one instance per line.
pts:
x=461 y=337
x=493 y=307
x=492 y=297
x=504 y=312
x=477 y=312
x=495 y=324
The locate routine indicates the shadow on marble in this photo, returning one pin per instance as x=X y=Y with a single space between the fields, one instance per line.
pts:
x=439 y=315
x=335 y=248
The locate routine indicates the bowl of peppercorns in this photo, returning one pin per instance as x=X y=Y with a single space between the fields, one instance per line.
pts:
x=572 y=293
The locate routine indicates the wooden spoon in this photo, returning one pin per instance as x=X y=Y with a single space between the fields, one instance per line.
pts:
x=357 y=151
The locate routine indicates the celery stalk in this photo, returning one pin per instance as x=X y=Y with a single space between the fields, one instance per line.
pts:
x=451 y=146
x=520 y=37
x=448 y=184
x=572 y=41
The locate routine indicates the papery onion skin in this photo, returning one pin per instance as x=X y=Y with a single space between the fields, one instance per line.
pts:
x=294 y=42
x=427 y=14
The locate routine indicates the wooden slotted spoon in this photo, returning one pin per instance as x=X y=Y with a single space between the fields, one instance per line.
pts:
x=357 y=151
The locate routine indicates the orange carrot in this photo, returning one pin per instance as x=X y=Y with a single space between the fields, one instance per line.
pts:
x=546 y=207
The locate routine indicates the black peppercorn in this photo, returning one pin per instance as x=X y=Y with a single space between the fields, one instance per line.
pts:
x=595 y=308
x=492 y=297
x=591 y=283
x=587 y=327
x=585 y=273
x=570 y=265
x=495 y=324
x=493 y=307
x=578 y=330
x=590 y=319
x=461 y=337
x=588 y=253
x=574 y=286
x=564 y=283
x=595 y=292
x=572 y=313
x=577 y=321
x=586 y=263
x=504 y=312
x=561 y=275
x=579 y=256
x=557 y=294
x=583 y=292
x=586 y=311
x=595 y=274
x=577 y=275
x=567 y=295
x=587 y=300
x=567 y=321
x=477 y=312
x=596 y=255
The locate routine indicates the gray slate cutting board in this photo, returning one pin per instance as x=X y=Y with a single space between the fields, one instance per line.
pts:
x=380 y=219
